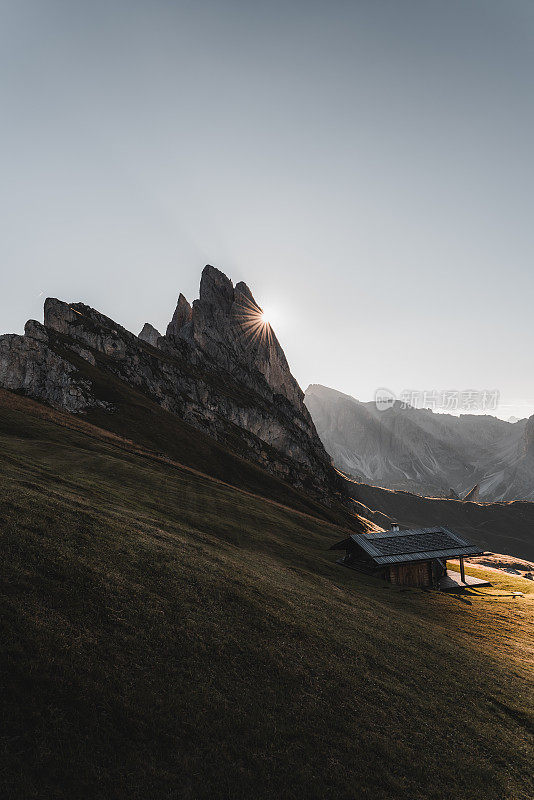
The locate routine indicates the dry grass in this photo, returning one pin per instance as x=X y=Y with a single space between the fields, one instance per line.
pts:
x=165 y=636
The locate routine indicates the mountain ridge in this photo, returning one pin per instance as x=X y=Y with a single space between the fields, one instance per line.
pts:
x=498 y=526
x=218 y=367
x=419 y=451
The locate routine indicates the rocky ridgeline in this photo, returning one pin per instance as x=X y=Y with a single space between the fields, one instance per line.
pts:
x=476 y=457
x=529 y=438
x=216 y=367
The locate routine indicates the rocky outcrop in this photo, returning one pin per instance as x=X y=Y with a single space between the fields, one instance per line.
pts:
x=150 y=334
x=219 y=367
x=181 y=317
x=29 y=365
x=225 y=324
x=473 y=495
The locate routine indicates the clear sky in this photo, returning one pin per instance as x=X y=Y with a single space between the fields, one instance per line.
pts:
x=365 y=166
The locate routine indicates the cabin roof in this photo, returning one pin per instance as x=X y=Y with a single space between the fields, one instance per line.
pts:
x=416 y=544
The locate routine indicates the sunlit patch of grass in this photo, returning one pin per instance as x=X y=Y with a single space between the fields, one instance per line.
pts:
x=501 y=580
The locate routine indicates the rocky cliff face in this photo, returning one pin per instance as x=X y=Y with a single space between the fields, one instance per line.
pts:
x=218 y=367
x=150 y=334
x=225 y=330
x=529 y=438
x=29 y=364
x=180 y=318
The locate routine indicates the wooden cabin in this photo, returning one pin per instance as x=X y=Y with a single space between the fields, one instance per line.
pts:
x=415 y=557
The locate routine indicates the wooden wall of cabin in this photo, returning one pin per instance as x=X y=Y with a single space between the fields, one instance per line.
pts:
x=417 y=573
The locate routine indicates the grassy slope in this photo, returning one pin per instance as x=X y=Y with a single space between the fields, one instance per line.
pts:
x=502 y=527
x=165 y=635
x=140 y=425
x=137 y=416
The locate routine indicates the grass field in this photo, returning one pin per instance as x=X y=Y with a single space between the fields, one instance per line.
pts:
x=165 y=635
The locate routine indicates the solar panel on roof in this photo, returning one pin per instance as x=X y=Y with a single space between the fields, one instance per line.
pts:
x=400 y=545
x=419 y=544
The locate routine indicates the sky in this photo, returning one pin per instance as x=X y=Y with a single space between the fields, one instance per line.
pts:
x=366 y=167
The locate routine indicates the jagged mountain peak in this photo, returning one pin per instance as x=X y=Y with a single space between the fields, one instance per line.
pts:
x=219 y=367
x=150 y=334
x=216 y=287
x=226 y=325
x=181 y=317
x=243 y=289
x=57 y=314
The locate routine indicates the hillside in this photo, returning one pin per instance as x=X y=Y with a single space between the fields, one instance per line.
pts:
x=501 y=527
x=140 y=426
x=416 y=450
x=166 y=634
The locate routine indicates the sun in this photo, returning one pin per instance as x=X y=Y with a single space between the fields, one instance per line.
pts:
x=255 y=322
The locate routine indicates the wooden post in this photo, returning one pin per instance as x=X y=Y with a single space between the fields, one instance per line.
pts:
x=462 y=571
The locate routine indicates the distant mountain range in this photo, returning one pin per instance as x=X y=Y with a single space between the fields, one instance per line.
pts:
x=419 y=451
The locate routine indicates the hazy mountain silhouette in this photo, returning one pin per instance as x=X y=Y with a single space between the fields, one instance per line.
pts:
x=420 y=451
